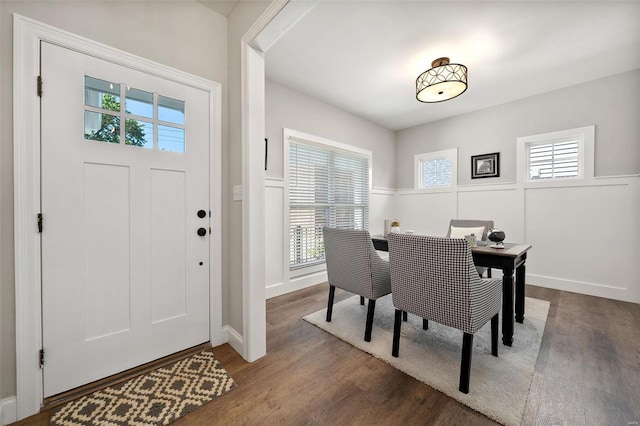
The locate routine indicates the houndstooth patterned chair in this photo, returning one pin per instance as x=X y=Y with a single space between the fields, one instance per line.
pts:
x=435 y=278
x=470 y=223
x=354 y=265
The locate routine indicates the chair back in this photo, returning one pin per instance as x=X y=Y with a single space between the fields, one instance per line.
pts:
x=353 y=263
x=466 y=223
x=435 y=278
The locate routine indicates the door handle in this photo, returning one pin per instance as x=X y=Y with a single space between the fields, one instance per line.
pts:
x=202 y=214
x=202 y=232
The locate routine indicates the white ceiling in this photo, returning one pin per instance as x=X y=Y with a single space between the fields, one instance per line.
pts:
x=223 y=7
x=364 y=56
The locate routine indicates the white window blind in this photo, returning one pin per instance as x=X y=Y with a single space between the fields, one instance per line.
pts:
x=327 y=187
x=436 y=172
x=550 y=160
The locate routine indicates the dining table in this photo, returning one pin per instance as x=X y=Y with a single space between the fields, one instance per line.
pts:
x=508 y=257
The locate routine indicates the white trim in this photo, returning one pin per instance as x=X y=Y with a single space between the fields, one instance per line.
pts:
x=8 y=411
x=592 y=289
x=278 y=26
x=297 y=284
x=233 y=338
x=253 y=245
x=309 y=139
x=253 y=119
x=28 y=34
x=254 y=318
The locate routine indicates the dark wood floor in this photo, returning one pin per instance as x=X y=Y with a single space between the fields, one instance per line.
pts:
x=587 y=373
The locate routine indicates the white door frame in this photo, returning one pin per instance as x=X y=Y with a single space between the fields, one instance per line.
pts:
x=274 y=22
x=27 y=35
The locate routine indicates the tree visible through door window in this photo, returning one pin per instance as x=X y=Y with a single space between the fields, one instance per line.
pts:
x=104 y=113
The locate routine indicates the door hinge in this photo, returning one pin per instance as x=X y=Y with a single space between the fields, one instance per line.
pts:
x=40 y=85
x=41 y=358
x=39 y=222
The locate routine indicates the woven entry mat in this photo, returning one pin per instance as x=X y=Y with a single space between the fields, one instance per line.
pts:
x=155 y=398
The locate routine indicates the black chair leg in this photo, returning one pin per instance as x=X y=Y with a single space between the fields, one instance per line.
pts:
x=465 y=365
x=494 y=335
x=488 y=272
x=362 y=300
x=425 y=324
x=332 y=292
x=370 y=311
x=405 y=317
x=397 y=324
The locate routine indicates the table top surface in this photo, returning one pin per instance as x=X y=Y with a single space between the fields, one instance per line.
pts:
x=509 y=250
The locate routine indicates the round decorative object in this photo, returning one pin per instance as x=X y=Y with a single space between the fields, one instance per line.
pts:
x=496 y=235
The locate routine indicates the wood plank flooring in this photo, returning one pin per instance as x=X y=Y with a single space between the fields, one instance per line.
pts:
x=587 y=373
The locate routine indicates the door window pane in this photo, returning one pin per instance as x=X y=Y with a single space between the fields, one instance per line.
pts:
x=101 y=127
x=170 y=110
x=170 y=138
x=139 y=133
x=101 y=94
x=139 y=102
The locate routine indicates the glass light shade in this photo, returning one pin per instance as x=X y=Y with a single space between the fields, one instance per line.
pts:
x=441 y=83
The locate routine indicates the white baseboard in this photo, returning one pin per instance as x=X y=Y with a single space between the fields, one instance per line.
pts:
x=233 y=338
x=591 y=289
x=8 y=412
x=296 y=284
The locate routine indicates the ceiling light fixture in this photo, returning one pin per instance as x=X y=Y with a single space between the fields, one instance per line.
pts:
x=442 y=82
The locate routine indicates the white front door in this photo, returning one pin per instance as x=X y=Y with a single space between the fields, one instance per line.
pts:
x=125 y=190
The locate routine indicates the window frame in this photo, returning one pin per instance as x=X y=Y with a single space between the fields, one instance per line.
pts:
x=585 y=136
x=418 y=168
x=319 y=142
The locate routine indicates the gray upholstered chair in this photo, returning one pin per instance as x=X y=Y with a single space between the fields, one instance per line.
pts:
x=435 y=278
x=354 y=265
x=461 y=227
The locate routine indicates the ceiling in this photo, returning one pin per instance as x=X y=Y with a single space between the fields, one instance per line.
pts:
x=223 y=7
x=364 y=56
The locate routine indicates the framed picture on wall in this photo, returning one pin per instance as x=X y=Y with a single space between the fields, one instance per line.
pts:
x=485 y=165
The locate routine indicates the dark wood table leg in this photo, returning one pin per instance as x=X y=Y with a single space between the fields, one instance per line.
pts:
x=507 y=306
x=520 y=274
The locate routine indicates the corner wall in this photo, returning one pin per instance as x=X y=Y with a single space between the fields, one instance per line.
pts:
x=287 y=108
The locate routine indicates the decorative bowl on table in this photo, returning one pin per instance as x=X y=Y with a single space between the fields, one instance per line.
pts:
x=496 y=236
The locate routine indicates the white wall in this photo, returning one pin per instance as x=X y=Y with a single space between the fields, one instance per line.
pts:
x=183 y=35
x=584 y=234
x=286 y=108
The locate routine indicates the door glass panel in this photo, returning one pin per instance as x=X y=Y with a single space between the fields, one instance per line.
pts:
x=170 y=138
x=170 y=110
x=101 y=94
x=138 y=133
x=139 y=102
x=101 y=127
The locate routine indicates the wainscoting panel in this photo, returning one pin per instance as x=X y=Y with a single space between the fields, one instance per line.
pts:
x=382 y=207
x=503 y=206
x=426 y=213
x=584 y=235
x=585 y=239
x=274 y=233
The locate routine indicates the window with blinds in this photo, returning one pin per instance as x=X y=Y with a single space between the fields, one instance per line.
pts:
x=327 y=187
x=551 y=160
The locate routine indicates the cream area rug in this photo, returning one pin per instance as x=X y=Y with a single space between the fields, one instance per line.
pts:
x=499 y=387
x=155 y=398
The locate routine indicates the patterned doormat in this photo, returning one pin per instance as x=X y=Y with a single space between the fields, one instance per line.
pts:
x=155 y=398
